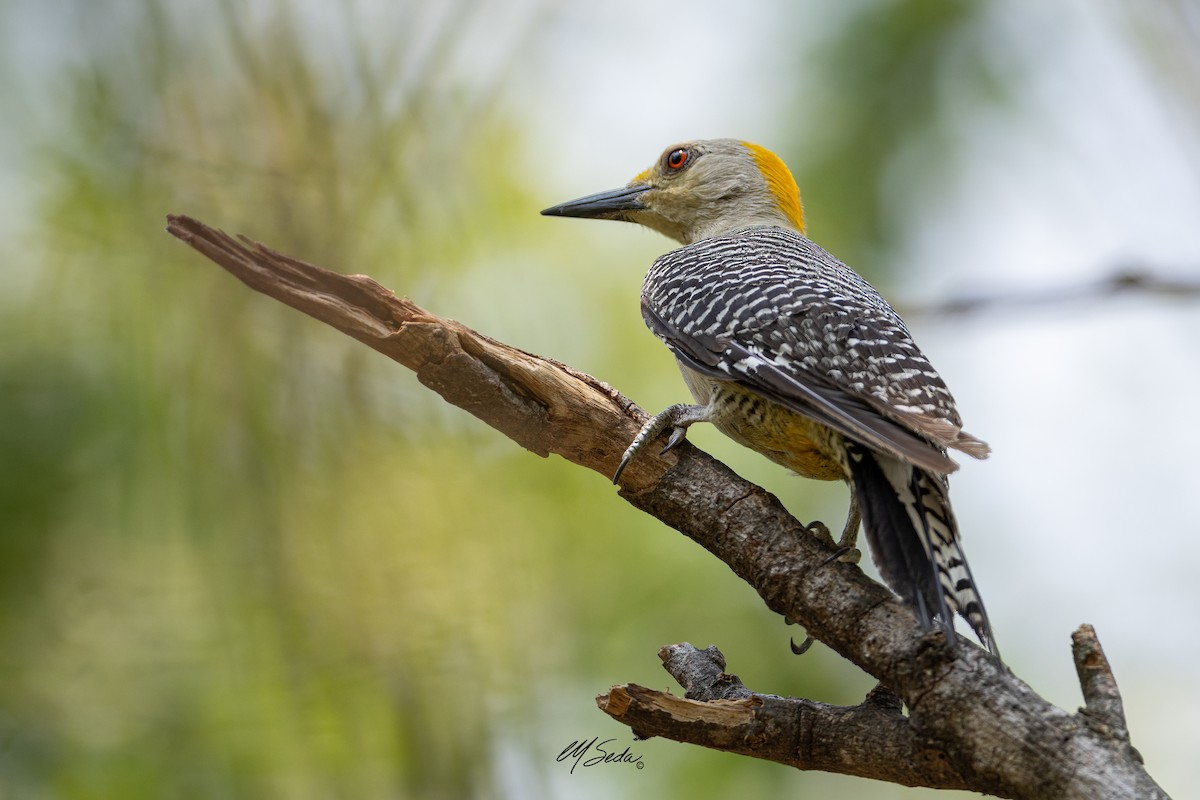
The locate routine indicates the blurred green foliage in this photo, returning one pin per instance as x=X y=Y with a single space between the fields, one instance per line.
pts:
x=243 y=556
x=890 y=77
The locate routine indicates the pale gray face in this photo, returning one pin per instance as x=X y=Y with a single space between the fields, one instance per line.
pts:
x=699 y=189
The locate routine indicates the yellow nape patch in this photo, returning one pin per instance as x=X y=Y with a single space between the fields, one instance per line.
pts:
x=781 y=183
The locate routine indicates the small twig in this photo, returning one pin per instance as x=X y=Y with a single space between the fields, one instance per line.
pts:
x=1103 y=707
x=702 y=673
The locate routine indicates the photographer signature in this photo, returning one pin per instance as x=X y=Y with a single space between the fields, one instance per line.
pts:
x=590 y=752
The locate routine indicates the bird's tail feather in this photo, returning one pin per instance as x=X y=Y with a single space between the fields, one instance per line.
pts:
x=913 y=537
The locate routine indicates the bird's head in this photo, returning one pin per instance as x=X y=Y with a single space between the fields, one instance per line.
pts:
x=701 y=189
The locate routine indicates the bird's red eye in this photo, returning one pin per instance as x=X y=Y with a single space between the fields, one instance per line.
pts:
x=677 y=158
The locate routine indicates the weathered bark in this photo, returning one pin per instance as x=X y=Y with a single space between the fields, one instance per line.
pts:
x=971 y=723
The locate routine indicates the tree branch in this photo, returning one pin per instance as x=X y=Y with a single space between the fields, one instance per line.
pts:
x=971 y=722
x=871 y=740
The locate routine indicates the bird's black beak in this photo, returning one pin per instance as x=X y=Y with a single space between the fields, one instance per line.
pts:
x=605 y=205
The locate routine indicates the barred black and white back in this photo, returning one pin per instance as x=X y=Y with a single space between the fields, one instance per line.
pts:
x=775 y=314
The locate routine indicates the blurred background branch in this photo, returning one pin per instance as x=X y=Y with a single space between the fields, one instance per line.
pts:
x=1129 y=281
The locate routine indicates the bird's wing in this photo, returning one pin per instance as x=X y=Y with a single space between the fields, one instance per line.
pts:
x=848 y=415
x=772 y=311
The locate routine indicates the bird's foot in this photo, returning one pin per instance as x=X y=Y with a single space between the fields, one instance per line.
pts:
x=847 y=552
x=843 y=549
x=677 y=417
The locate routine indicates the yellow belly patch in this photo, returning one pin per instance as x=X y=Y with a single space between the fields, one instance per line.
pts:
x=787 y=438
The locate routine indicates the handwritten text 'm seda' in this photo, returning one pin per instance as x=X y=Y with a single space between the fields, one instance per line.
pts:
x=590 y=752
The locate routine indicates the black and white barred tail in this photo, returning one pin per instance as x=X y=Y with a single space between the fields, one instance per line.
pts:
x=913 y=537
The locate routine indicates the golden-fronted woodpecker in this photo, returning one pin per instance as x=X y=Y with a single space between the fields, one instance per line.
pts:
x=791 y=353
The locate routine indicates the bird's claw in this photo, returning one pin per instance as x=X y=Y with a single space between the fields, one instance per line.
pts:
x=677 y=434
x=821 y=531
x=677 y=417
x=803 y=647
x=625 y=459
x=844 y=554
